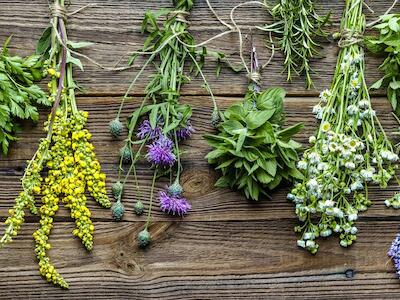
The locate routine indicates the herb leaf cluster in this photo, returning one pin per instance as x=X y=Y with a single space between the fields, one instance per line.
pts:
x=297 y=25
x=252 y=150
x=387 y=43
x=19 y=96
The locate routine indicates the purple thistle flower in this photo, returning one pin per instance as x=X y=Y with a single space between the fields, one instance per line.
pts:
x=394 y=254
x=160 y=152
x=174 y=205
x=146 y=131
x=185 y=133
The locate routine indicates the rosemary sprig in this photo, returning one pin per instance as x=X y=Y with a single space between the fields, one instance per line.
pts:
x=297 y=26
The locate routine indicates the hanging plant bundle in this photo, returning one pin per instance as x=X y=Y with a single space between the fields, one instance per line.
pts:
x=252 y=150
x=19 y=96
x=387 y=44
x=161 y=123
x=296 y=27
x=66 y=153
x=349 y=151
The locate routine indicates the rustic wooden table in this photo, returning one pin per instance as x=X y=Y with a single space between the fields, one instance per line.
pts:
x=227 y=247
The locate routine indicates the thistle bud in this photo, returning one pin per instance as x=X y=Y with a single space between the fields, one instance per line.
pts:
x=118 y=211
x=143 y=238
x=117 y=190
x=115 y=127
x=126 y=154
x=139 y=208
x=215 y=118
x=175 y=189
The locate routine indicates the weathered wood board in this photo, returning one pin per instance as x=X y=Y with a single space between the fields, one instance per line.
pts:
x=227 y=247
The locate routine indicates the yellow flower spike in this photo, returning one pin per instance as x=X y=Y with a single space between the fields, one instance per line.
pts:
x=51 y=72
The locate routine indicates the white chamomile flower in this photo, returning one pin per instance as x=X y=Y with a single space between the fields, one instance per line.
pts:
x=317 y=108
x=350 y=165
x=302 y=165
x=352 y=110
x=325 y=95
x=314 y=158
x=363 y=104
x=312 y=139
x=325 y=127
x=356 y=185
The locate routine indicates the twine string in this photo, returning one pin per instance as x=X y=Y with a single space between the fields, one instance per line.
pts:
x=180 y=15
x=349 y=38
x=58 y=11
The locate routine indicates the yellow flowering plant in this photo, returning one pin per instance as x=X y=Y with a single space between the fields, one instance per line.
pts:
x=66 y=153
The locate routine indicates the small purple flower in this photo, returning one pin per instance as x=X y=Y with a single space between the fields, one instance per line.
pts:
x=160 y=152
x=174 y=205
x=394 y=254
x=146 y=131
x=185 y=133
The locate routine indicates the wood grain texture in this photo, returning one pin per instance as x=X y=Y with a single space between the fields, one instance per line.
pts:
x=227 y=248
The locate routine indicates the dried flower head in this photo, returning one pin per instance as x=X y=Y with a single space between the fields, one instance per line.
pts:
x=174 y=204
x=160 y=152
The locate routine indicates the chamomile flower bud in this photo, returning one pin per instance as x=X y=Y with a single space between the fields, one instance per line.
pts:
x=350 y=165
x=143 y=238
x=312 y=139
x=301 y=243
x=343 y=243
x=302 y=165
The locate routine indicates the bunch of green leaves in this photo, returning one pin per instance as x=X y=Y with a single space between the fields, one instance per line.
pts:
x=387 y=44
x=19 y=96
x=252 y=150
x=297 y=25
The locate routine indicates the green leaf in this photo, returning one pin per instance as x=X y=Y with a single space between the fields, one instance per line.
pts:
x=394 y=85
x=377 y=84
x=290 y=131
x=75 y=61
x=44 y=42
x=296 y=174
x=393 y=24
x=241 y=139
x=258 y=118
x=79 y=45
x=223 y=182
x=153 y=116
x=232 y=126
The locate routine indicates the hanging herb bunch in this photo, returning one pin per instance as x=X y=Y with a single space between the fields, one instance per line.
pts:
x=19 y=96
x=349 y=151
x=252 y=150
x=66 y=153
x=161 y=123
x=387 y=44
x=297 y=27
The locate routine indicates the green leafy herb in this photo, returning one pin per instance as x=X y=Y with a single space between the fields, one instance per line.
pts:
x=252 y=150
x=387 y=43
x=19 y=96
x=297 y=25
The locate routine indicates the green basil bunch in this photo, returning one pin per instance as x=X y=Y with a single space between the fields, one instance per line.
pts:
x=252 y=150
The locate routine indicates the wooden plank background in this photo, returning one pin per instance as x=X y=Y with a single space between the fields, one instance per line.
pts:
x=227 y=247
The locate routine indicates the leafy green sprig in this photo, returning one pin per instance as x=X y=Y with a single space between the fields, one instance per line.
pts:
x=387 y=44
x=252 y=150
x=19 y=96
x=297 y=26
